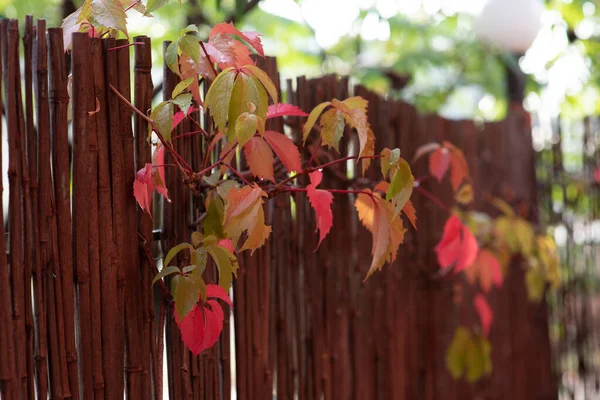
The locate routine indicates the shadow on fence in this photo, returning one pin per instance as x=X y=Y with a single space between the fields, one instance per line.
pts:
x=79 y=317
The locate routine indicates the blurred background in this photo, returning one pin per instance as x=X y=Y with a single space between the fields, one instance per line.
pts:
x=462 y=59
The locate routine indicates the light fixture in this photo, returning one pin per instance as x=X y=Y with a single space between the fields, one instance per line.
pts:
x=510 y=25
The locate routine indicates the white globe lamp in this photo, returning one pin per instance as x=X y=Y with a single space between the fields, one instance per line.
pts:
x=510 y=25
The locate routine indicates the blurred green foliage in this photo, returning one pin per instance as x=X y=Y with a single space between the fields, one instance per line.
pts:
x=438 y=51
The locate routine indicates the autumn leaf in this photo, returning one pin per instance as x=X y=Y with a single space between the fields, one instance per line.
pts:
x=218 y=97
x=332 y=123
x=180 y=116
x=162 y=115
x=469 y=355
x=425 y=149
x=516 y=233
x=457 y=247
x=264 y=79
x=377 y=215
x=110 y=13
x=368 y=151
x=320 y=201
x=486 y=316
x=226 y=262
x=486 y=268
x=458 y=164
x=312 y=119
x=227 y=52
x=246 y=127
x=411 y=213
x=252 y=38
x=439 y=162
x=246 y=90
x=154 y=5
x=72 y=23
x=285 y=150
x=260 y=158
x=149 y=178
x=284 y=110
x=201 y=327
x=244 y=212
x=402 y=180
x=464 y=195
x=190 y=72
x=356 y=117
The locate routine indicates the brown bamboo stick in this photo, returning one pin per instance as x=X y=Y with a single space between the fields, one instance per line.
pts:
x=143 y=101
x=9 y=387
x=119 y=193
x=30 y=242
x=133 y=293
x=83 y=102
x=16 y=135
x=59 y=99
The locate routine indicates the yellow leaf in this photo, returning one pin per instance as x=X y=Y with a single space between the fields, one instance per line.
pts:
x=312 y=118
x=246 y=127
x=244 y=212
x=332 y=123
x=368 y=151
x=265 y=80
x=465 y=194
x=218 y=97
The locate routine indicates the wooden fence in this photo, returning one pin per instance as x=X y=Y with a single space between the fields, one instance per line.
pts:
x=80 y=319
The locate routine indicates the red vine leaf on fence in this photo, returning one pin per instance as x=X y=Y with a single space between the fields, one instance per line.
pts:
x=486 y=269
x=352 y=111
x=444 y=157
x=457 y=247
x=486 y=316
x=151 y=177
x=244 y=212
x=284 y=110
x=285 y=150
x=401 y=178
x=377 y=215
x=224 y=48
x=201 y=327
x=260 y=158
x=320 y=201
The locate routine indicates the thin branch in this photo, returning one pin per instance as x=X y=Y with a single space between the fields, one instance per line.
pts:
x=340 y=160
x=125 y=46
x=236 y=173
x=143 y=243
x=208 y=58
x=314 y=153
x=431 y=197
x=135 y=3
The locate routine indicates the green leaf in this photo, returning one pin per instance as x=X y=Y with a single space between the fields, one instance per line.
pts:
x=264 y=79
x=173 y=252
x=110 y=13
x=181 y=86
x=189 y=45
x=189 y=268
x=219 y=96
x=199 y=257
x=312 y=118
x=332 y=122
x=456 y=359
x=184 y=102
x=401 y=186
x=390 y=159
x=154 y=5
x=162 y=115
x=196 y=239
x=165 y=272
x=226 y=263
x=213 y=223
x=245 y=91
x=171 y=57
x=188 y=29
x=187 y=294
x=245 y=128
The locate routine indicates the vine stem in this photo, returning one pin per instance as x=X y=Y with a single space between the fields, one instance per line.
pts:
x=336 y=191
x=203 y=132
x=185 y=170
x=314 y=153
x=210 y=63
x=135 y=3
x=205 y=170
x=431 y=197
x=235 y=172
x=125 y=46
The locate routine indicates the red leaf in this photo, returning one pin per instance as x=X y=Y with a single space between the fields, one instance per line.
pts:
x=459 y=167
x=143 y=186
x=251 y=37
x=486 y=315
x=201 y=327
x=226 y=243
x=260 y=158
x=158 y=163
x=180 y=116
x=217 y=292
x=439 y=162
x=487 y=269
x=285 y=149
x=228 y=52
x=283 y=109
x=321 y=202
x=192 y=329
x=597 y=175
x=457 y=247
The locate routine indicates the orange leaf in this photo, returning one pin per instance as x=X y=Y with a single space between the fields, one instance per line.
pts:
x=487 y=269
x=260 y=158
x=244 y=212
x=368 y=150
x=411 y=213
x=377 y=215
x=190 y=69
x=321 y=202
x=459 y=167
x=486 y=315
x=285 y=149
x=457 y=247
x=252 y=38
x=439 y=162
